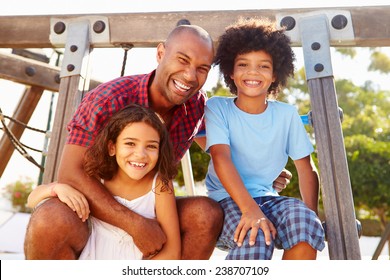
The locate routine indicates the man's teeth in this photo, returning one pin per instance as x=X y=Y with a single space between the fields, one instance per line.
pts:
x=138 y=164
x=181 y=86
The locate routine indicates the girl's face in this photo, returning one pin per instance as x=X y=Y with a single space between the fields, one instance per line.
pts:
x=136 y=150
x=253 y=73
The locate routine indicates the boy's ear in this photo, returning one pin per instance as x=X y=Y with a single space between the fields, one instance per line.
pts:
x=111 y=149
x=274 y=77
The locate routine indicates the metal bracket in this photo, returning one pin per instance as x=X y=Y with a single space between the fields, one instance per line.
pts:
x=315 y=31
x=339 y=22
x=316 y=47
x=77 y=48
x=99 y=31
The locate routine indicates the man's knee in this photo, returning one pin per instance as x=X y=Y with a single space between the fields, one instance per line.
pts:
x=54 y=229
x=201 y=212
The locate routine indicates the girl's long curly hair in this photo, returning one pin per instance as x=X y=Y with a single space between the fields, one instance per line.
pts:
x=254 y=34
x=99 y=164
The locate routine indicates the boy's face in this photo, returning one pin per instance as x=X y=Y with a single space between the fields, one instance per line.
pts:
x=253 y=73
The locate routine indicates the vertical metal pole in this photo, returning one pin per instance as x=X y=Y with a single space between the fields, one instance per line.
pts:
x=187 y=174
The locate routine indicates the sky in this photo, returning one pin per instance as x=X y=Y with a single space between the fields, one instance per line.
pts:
x=106 y=63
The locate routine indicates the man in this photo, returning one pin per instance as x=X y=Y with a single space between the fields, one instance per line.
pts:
x=173 y=90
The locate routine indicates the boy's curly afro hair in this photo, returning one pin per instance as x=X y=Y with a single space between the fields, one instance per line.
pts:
x=254 y=34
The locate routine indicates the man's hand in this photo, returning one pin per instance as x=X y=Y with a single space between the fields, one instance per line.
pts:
x=282 y=181
x=150 y=238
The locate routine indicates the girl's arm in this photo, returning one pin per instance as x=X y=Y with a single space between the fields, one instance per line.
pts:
x=308 y=182
x=252 y=216
x=168 y=219
x=68 y=195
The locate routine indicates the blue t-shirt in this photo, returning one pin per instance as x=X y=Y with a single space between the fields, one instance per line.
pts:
x=260 y=144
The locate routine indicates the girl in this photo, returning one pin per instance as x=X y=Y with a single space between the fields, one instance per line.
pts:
x=133 y=156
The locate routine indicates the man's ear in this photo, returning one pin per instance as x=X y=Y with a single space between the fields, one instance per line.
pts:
x=160 y=52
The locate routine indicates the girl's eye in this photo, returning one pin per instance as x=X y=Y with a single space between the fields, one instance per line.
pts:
x=129 y=144
x=153 y=147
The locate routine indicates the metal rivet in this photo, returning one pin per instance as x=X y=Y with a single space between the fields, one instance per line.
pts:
x=318 y=67
x=57 y=78
x=339 y=22
x=315 y=46
x=183 y=22
x=288 y=22
x=59 y=27
x=70 y=67
x=73 y=48
x=30 y=71
x=99 y=26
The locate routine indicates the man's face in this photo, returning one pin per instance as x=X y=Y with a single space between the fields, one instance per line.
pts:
x=184 y=63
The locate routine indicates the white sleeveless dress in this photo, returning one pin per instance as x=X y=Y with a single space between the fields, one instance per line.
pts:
x=108 y=242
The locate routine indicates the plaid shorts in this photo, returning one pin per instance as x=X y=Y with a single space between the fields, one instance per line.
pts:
x=293 y=220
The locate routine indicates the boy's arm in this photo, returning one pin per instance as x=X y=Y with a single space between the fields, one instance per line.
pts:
x=308 y=182
x=147 y=234
x=168 y=218
x=231 y=180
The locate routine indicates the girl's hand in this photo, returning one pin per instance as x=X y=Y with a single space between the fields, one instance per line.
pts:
x=254 y=222
x=73 y=198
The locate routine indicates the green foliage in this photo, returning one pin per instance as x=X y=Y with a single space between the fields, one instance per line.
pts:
x=199 y=161
x=18 y=193
x=348 y=52
x=379 y=62
x=369 y=167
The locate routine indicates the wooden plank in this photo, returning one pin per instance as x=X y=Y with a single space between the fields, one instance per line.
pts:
x=70 y=96
x=371 y=26
x=14 y=68
x=336 y=187
x=29 y=72
x=24 y=110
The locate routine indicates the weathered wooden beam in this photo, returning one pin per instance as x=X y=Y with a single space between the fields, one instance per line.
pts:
x=23 y=113
x=370 y=25
x=31 y=72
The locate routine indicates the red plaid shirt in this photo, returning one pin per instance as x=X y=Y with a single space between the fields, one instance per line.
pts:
x=101 y=103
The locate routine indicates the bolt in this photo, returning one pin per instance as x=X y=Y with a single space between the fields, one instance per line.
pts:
x=315 y=46
x=318 y=67
x=183 y=22
x=30 y=71
x=59 y=27
x=99 y=26
x=339 y=22
x=70 y=67
x=73 y=48
x=57 y=78
x=288 y=22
